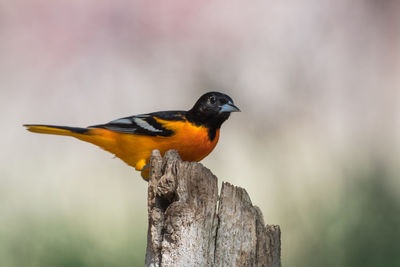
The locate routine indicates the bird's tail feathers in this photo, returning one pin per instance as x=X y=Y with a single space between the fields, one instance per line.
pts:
x=53 y=129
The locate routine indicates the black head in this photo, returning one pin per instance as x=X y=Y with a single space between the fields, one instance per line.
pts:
x=212 y=109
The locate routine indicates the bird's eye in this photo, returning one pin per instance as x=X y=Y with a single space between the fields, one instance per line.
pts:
x=213 y=100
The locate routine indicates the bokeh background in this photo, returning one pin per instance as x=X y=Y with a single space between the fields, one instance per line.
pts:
x=316 y=144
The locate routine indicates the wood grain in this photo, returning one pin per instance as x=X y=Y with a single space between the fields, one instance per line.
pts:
x=186 y=229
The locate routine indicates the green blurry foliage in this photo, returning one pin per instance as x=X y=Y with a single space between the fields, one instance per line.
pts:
x=58 y=241
x=363 y=230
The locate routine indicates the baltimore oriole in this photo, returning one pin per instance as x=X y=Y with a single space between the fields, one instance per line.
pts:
x=193 y=133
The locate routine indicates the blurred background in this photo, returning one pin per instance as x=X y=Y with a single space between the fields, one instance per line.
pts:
x=316 y=144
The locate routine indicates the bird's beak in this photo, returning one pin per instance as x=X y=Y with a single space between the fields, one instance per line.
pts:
x=229 y=107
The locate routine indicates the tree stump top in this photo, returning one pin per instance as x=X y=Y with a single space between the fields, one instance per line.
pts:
x=187 y=229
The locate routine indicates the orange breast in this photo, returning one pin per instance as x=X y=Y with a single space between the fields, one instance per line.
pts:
x=192 y=142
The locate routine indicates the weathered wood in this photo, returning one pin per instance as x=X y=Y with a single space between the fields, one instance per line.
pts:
x=242 y=237
x=185 y=228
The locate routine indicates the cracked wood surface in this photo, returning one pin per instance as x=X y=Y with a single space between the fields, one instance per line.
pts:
x=186 y=229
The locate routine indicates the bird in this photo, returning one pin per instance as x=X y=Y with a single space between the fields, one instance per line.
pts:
x=193 y=133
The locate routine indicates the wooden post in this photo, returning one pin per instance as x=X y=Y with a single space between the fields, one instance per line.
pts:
x=187 y=229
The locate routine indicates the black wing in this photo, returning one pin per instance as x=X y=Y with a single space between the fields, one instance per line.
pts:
x=144 y=124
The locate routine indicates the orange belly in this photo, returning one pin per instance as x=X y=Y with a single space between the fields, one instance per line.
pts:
x=191 y=142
